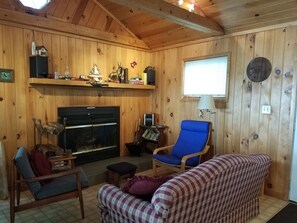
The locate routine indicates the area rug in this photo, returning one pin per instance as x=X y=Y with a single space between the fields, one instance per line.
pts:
x=287 y=215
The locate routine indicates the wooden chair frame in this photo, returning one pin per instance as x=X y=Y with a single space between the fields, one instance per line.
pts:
x=183 y=166
x=16 y=181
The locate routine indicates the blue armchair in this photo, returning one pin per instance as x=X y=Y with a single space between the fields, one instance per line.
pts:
x=191 y=144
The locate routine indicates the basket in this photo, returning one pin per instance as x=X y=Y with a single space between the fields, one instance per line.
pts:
x=134 y=148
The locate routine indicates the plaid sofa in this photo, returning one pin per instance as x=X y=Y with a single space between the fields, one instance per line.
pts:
x=223 y=189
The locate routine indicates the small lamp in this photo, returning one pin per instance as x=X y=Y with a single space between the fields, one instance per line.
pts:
x=206 y=103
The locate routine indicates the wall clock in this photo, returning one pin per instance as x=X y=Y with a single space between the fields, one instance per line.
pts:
x=259 y=69
x=6 y=75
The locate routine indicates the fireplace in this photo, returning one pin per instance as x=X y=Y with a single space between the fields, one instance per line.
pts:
x=91 y=133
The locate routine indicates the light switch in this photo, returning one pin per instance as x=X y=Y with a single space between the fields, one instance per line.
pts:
x=266 y=109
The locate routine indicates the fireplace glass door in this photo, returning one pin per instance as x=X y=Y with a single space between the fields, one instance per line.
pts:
x=91 y=133
x=91 y=137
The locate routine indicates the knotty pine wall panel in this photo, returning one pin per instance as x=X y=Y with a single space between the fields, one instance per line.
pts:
x=239 y=119
x=19 y=103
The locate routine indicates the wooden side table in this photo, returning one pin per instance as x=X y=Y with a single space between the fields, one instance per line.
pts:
x=161 y=141
x=61 y=163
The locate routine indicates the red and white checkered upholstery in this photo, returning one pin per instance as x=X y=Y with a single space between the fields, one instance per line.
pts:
x=224 y=189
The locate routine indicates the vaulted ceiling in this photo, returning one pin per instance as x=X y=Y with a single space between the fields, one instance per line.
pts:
x=151 y=24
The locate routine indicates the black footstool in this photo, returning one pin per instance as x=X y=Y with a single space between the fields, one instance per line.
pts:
x=120 y=171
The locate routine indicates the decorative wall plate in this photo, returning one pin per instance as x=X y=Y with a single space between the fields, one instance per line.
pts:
x=259 y=69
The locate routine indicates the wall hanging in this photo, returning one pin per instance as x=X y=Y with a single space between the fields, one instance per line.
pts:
x=6 y=75
x=259 y=69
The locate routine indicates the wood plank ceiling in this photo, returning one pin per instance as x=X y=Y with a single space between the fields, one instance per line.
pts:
x=151 y=24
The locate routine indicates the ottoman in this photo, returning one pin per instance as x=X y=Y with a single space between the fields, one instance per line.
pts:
x=120 y=171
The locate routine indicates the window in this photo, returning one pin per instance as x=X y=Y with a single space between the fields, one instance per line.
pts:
x=35 y=4
x=206 y=76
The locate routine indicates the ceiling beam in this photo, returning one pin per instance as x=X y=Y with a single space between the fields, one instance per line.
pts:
x=79 y=11
x=12 y=4
x=174 y=14
x=98 y=2
x=55 y=25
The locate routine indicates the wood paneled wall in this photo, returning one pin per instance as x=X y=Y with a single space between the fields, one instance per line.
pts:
x=240 y=118
x=19 y=103
x=237 y=120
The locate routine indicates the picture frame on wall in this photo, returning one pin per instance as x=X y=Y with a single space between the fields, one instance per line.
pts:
x=6 y=75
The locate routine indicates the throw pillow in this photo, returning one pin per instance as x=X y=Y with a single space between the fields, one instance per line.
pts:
x=144 y=186
x=41 y=163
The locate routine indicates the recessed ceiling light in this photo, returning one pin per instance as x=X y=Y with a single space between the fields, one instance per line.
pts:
x=180 y=2
x=35 y=4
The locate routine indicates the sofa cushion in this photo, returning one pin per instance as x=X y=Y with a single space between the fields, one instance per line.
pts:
x=144 y=186
x=62 y=185
x=23 y=164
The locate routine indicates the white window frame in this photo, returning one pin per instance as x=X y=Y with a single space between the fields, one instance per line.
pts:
x=204 y=74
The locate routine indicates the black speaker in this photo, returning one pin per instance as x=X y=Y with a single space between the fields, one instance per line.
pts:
x=38 y=66
x=126 y=81
x=149 y=119
x=150 y=75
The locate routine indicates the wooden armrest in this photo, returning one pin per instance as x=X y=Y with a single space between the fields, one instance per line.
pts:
x=169 y=148
x=52 y=176
x=185 y=158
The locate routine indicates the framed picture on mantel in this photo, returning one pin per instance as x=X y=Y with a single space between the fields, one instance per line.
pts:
x=6 y=75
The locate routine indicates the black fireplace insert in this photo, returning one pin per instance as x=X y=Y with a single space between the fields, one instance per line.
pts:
x=91 y=133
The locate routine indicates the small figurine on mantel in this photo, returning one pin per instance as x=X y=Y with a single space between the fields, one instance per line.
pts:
x=41 y=51
x=118 y=75
x=95 y=74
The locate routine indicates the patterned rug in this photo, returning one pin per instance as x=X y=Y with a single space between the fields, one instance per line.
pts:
x=287 y=215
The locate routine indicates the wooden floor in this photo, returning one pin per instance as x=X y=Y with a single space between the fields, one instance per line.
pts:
x=269 y=206
x=68 y=211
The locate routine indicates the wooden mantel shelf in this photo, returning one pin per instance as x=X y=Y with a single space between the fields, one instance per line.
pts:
x=71 y=83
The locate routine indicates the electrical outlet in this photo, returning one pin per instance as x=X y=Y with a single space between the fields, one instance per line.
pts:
x=266 y=109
